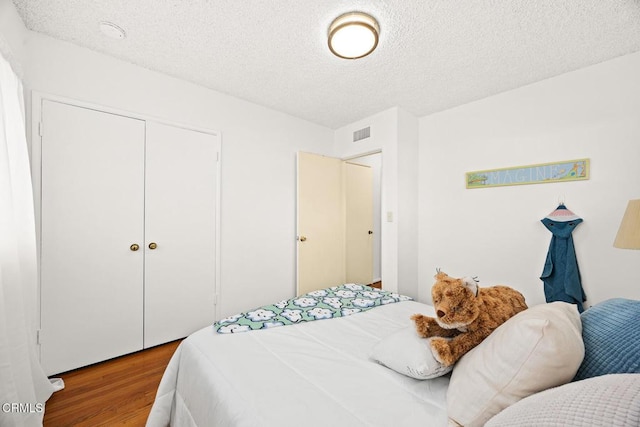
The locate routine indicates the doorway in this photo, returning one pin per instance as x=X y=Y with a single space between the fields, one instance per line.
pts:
x=374 y=161
x=338 y=230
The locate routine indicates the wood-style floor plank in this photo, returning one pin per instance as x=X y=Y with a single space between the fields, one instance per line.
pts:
x=118 y=392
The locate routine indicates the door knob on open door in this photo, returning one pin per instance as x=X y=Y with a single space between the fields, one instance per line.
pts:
x=303 y=238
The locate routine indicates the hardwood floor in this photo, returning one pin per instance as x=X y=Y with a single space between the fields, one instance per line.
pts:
x=116 y=392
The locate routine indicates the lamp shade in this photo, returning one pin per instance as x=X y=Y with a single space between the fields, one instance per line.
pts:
x=353 y=35
x=629 y=232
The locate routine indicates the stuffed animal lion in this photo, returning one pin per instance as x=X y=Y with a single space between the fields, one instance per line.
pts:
x=466 y=315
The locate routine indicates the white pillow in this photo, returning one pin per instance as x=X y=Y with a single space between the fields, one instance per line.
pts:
x=409 y=354
x=607 y=401
x=536 y=349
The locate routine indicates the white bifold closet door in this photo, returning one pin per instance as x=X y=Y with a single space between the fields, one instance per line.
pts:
x=180 y=205
x=92 y=211
x=128 y=234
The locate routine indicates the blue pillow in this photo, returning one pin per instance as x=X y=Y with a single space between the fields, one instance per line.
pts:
x=611 y=335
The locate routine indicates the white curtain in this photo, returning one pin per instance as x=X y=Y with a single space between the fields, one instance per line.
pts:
x=23 y=385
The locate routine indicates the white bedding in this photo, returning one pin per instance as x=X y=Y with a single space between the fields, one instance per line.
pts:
x=312 y=374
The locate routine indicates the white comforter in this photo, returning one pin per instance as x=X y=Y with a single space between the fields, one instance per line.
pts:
x=312 y=374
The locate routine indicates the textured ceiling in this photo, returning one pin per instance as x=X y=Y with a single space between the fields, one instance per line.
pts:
x=432 y=55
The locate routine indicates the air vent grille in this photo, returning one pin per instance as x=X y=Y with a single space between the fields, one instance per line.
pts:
x=361 y=134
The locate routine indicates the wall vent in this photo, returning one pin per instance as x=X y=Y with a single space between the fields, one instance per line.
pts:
x=361 y=134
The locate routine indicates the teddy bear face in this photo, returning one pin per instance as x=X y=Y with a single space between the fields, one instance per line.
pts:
x=455 y=304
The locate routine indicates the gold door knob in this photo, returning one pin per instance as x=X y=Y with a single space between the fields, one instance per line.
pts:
x=153 y=245
x=134 y=247
x=303 y=238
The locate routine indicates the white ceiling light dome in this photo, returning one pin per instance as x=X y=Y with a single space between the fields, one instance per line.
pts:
x=353 y=35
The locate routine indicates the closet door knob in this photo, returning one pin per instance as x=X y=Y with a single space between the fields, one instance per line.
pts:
x=134 y=247
x=152 y=245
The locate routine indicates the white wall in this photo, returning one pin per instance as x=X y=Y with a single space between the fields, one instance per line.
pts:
x=259 y=148
x=408 y=146
x=495 y=233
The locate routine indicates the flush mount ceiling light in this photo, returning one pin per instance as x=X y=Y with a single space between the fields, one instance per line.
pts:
x=353 y=35
x=110 y=29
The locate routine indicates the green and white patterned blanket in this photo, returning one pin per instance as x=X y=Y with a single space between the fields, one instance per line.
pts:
x=338 y=301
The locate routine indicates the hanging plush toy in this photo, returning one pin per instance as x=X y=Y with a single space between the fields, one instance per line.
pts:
x=561 y=275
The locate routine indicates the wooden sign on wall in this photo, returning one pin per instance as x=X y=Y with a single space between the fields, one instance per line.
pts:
x=567 y=170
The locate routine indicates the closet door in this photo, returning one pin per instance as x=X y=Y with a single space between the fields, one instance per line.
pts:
x=358 y=223
x=92 y=214
x=180 y=232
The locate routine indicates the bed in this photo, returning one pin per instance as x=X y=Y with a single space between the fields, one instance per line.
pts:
x=323 y=373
